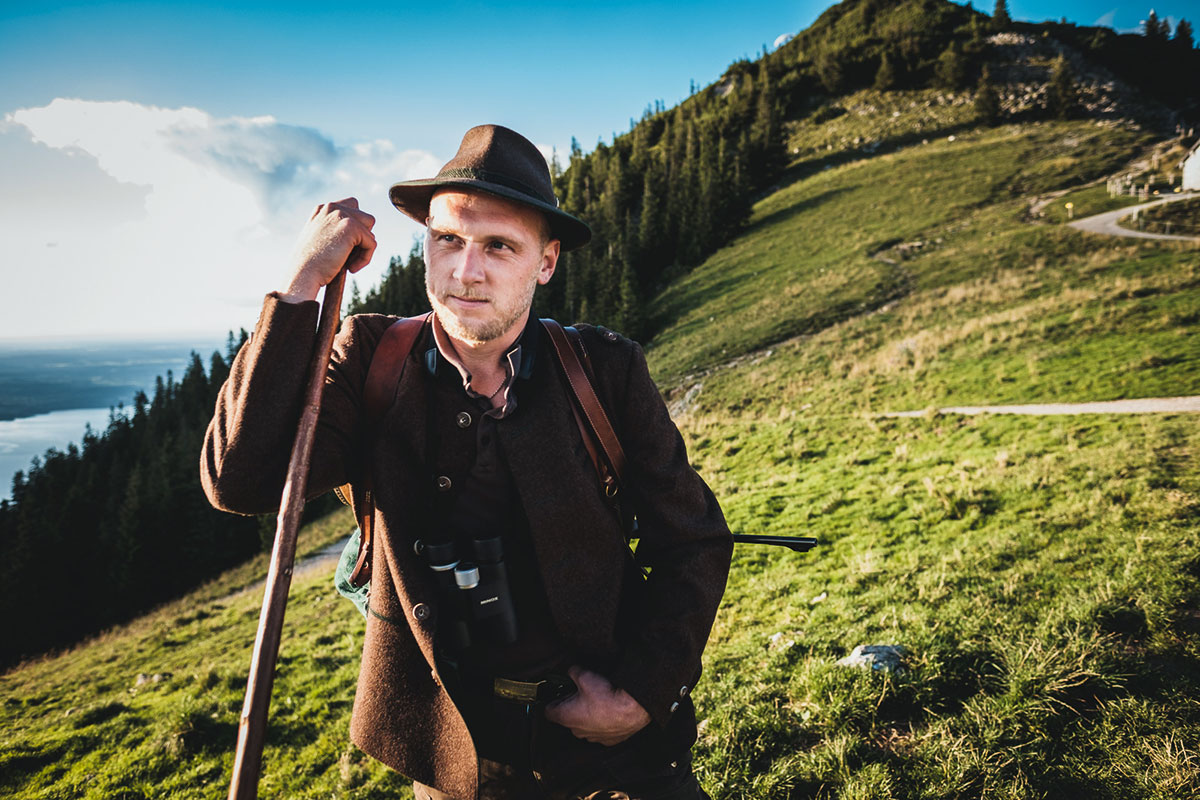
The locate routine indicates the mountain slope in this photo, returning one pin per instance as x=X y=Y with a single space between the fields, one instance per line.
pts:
x=1040 y=574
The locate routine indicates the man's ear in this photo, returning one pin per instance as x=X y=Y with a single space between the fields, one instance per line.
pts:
x=549 y=261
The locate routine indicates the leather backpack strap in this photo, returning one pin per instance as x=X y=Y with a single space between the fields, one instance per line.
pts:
x=387 y=365
x=383 y=377
x=598 y=428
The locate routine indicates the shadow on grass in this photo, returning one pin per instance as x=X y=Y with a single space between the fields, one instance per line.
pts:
x=804 y=168
x=795 y=209
x=1060 y=783
x=100 y=714
x=293 y=733
x=20 y=762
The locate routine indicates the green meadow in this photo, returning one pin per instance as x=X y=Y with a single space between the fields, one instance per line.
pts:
x=1040 y=573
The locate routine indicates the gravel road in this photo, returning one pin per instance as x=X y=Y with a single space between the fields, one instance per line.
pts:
x=1106 y=223
x=1141 y=405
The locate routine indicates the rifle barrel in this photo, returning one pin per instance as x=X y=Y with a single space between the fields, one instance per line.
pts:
x=801 y=544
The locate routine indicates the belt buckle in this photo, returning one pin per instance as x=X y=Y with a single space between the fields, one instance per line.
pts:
x=547 y=690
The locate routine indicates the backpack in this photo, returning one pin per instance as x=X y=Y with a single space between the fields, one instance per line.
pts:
x=353 y=574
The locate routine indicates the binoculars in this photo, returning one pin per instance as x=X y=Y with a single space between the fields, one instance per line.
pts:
x=476 y=591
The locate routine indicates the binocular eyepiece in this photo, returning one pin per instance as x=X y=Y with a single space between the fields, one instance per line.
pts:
x=476 y=591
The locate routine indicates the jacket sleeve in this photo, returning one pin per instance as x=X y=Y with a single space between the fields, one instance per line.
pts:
x=683 y=539
x=248 y=444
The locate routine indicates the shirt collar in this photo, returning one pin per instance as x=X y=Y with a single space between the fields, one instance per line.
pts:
x=441 y=361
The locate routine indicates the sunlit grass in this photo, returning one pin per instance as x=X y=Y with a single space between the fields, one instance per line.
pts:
x=1040 y=572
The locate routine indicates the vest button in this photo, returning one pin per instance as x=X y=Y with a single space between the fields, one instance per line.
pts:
x=443 y=483
x=421 y=612
x=463 y=419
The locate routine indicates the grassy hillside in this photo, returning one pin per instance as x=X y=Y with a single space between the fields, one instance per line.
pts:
x=1040 y=573
x=151 y=709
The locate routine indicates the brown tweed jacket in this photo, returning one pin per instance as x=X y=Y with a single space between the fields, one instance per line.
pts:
x=645 y=636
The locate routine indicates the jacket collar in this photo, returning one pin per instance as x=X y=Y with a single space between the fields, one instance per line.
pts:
x=521 y=356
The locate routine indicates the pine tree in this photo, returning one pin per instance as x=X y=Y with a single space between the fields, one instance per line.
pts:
x=628 y=318
x=987 y=101
x=738 y=197
x=978 y=30
x=1001 y=21
x=1154 y=29
x=766 y=132
x=1062 y=96
x=401 y=291
x=708 y=200
x=687 y=190
x=831 y=72
x=1183 y=34
x=885 y=76
x=951 y=70
x=652 y=233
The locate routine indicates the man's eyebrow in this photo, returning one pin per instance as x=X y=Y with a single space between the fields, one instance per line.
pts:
x=515 y=244
x=439 y=230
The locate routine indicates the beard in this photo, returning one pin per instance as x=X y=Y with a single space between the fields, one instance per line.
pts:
x=499 y=317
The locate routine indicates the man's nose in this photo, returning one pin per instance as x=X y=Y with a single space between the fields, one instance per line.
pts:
x=469 y=268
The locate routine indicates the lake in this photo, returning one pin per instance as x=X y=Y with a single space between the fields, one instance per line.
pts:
x=57 y=376
x=22 y=439
x=50 y=391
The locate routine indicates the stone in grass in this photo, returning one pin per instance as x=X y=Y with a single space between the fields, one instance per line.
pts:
x=880 y=657
x=158 y=677
x=777 y=642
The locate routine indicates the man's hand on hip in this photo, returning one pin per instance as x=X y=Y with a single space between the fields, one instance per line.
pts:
x=337 y=234
x=598 y=712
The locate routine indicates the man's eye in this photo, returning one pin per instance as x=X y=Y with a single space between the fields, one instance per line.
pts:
x=499 y=246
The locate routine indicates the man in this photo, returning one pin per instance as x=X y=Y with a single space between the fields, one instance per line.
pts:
x=480 y=444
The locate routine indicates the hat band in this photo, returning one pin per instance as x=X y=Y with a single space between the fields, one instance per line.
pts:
x=495 y=177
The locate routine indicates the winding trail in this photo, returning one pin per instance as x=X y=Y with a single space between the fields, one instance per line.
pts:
x=1106 y=223
x=325 y=558
x=1140 y=405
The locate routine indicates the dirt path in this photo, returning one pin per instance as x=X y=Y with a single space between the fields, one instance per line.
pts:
x=1141 y=405
x=325 y=558
x=1106 y=223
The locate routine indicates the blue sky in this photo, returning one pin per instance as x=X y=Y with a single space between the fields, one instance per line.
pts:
x=164 y=155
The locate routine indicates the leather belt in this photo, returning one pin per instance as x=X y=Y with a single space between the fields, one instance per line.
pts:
x=547 y=690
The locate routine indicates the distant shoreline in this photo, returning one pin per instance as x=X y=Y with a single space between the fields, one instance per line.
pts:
x=38 y=378
x=50 y=390
x=26 y=438
x=37 y=411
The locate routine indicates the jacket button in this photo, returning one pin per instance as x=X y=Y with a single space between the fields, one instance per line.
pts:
x=612 y=337
x=421 y=612
x=683 y=691
x=673 y=707
x=463 y=419
x=443 y=483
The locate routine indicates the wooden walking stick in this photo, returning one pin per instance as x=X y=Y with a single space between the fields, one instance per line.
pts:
x=253 y=724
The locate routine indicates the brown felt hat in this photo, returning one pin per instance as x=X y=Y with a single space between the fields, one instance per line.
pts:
x=502 y=162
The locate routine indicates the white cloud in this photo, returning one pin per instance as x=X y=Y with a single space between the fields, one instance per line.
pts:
x=224 y=199
x=1106 y=20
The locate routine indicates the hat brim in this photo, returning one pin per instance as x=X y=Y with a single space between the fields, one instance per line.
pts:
x=412 y=199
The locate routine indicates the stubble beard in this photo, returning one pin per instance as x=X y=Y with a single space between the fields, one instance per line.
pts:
x=478 y=331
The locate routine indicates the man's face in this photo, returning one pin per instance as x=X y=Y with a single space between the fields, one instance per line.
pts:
x=484 y=256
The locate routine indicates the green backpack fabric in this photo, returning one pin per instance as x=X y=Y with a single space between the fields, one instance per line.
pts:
x=359 y=595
